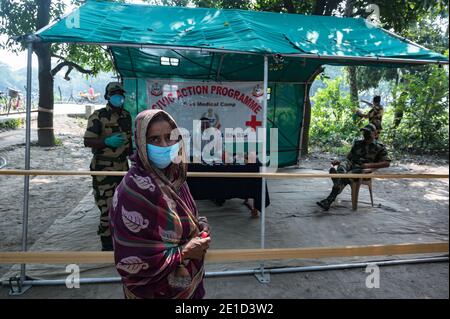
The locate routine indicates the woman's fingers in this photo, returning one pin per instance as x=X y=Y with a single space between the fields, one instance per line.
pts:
x=206 y=240
x=196 y=248
x=206 y=244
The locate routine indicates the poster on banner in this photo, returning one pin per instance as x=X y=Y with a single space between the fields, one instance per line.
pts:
x=225 y=104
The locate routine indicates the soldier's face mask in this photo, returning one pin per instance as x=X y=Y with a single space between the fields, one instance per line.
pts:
x=117 y=100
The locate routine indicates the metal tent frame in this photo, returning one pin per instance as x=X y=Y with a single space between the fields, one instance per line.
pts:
x=23 y=282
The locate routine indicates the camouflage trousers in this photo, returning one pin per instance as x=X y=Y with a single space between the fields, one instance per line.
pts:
x=104 y=187
x=339 y=184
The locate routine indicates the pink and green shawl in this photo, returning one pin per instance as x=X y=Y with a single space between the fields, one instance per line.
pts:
x=152 y=215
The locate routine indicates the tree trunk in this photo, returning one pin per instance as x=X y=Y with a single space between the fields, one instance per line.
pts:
x=289 y=5
x=321 y=7
x=399 y=105
x=352 y=77
x=325 y=7
x=353 y=82
x=304 y=143
x=46 y=135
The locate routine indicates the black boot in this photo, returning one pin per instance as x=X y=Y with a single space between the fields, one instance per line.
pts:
x=107 y=244
x=326 y=203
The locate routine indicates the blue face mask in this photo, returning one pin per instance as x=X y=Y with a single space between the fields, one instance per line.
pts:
x=117 y=100
x=162 y=156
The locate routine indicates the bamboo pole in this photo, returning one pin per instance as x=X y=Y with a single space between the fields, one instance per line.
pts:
x=19 y=172
x=229 y=255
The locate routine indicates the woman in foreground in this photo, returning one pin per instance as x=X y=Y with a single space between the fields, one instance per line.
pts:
x=159 y=241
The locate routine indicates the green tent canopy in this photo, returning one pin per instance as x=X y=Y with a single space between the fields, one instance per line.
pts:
x=229 y=30
x=229 y=45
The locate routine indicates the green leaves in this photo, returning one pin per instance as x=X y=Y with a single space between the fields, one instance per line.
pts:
x=91 y=57
x=20 y=17
x=424 y=127
x=290 y=6
x=331 y=124
x=416 y=121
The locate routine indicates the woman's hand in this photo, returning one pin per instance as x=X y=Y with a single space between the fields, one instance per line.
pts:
x=205 y=228
x=195 y=248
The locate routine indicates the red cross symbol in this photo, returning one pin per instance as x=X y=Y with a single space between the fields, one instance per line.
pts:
x=253 y=123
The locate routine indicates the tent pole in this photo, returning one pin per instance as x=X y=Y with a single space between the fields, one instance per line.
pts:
x=220 y=67
x=136 y=91
x=297 y=55
x=379 y=59
x=263 y=277
x=347 y=58
x=26 y=186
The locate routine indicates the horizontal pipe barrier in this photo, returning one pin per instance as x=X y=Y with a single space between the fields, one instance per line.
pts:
x=227 y=175
x=284 y=270
x=233 y=255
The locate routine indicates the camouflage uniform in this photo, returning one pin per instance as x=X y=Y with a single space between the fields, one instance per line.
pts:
x=360 y=153
x=101 y=124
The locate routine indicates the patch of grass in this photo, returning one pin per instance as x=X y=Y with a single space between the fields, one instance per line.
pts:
x=11 y=124
x=58 y=142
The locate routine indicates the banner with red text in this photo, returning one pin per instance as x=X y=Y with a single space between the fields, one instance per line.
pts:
x=225 y=104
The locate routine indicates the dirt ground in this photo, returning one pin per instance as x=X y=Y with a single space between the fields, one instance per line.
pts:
x=50 y=196
x=54 y=196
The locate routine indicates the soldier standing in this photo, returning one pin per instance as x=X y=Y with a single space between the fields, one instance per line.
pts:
x=375 y=115
x=108 y=133
x=365 y=154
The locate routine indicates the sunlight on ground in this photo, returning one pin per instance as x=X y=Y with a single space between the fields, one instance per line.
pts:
x=38 y=180
x=436 y=197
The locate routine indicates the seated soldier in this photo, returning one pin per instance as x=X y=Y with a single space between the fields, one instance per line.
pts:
x=365 y=154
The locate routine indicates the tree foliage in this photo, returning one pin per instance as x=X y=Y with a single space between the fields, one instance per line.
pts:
x=286 y=6
x=332 y=126
x=20 y=18
x=416 y=121
x=423 y=103
x=418 y=21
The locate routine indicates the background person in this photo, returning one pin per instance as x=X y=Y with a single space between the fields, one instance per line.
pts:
x=108 y=133
x=375 y=115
